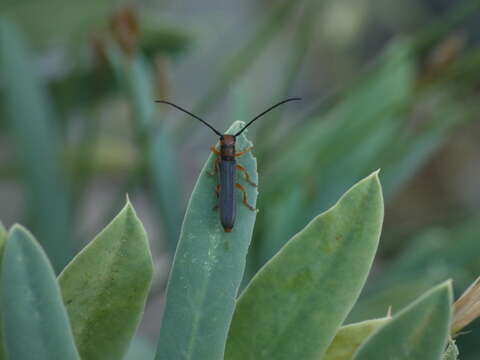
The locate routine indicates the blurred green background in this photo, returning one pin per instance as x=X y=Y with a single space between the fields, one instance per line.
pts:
x=386 y=84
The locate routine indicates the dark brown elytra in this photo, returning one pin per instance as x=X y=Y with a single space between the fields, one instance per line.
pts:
x=226 y=166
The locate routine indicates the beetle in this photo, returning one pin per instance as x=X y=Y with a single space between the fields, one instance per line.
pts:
x=226 y=166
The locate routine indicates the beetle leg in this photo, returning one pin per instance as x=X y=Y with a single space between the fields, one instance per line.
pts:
x=247 y=177
x=242 y=189
x=217 y=192
x=215 y=167
x=214 y=150
x=244 y=151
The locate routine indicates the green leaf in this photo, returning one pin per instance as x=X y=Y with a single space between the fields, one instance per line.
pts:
x=350 y=337
x=33 y=127
x=419 y=332
x=294 y=305
x=105 y=287
x=207 y=270
x=35 y=321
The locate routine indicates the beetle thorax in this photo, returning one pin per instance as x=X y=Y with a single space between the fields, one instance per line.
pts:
x=227 y=147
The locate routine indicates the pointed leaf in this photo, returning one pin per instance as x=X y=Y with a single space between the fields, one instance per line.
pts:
x=105 y=287
x=207 y=270
x=35 y=321
x=294 y=305
x=349 y=338
x=419 y=332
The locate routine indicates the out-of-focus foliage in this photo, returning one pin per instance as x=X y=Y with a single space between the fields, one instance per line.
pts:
x=34 y=130
x=384 y=87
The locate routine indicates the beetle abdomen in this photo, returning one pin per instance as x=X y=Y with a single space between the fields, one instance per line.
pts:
x=226 y=200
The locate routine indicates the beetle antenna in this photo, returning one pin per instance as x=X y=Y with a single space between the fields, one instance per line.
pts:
x=189 y=113
x=266 y=111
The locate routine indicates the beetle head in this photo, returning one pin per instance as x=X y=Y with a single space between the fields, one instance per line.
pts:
x=227 y=140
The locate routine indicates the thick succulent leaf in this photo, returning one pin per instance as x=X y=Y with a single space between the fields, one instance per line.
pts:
x=349 y=338
x=419 y=332
x=33 y=127
x=105 y=287
x=293 y=307
x=34 y=318
x=207 y=270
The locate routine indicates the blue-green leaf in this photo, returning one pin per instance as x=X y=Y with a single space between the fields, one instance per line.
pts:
x=349 y=338
x=294 y=305
x=32 y=123
x=35 y=321
x=419 y=332
x=207 y=270
x=105 y=288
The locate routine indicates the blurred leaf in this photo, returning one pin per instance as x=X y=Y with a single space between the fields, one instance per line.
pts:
x=33 y=126
x=76 y=20
x=35 y=321
x=341 y=146
x=164 y=177
x=140 y=349
x=207 y=270
x=406 y=154
x=135 y=76
x=287 y=300
x=105 y=287
x=349 y=338
x=353 y=119
x=242 y=60
x=160 y=38
x=438 y=254
x=419 y=332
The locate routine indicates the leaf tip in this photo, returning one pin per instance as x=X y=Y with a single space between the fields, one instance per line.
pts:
x=19 y=230
x=443 y=291
x=128 y=209
x=236 y=127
